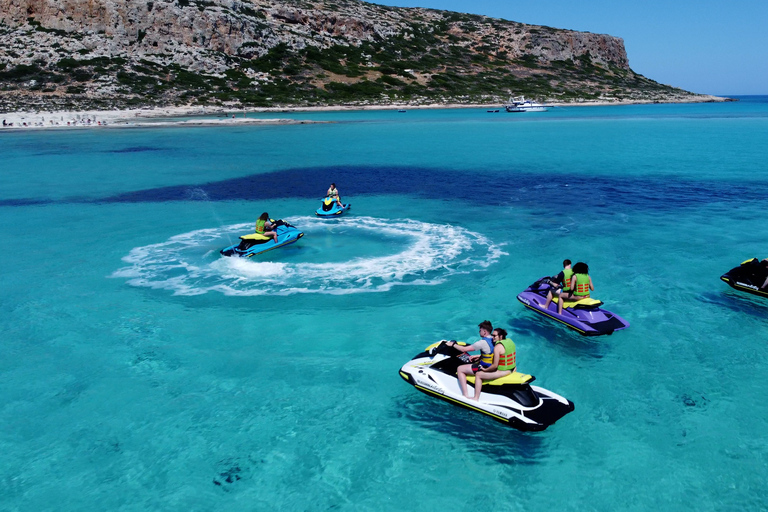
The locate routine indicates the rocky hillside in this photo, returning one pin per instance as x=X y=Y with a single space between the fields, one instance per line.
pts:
x=119 y=53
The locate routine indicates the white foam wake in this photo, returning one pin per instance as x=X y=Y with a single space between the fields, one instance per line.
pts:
x=189 y=264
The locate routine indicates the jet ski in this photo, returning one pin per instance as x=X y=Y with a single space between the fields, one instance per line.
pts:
x=511 y=400
x=252 y=244
x=330 y=208
x=748 y=277
x=583 y=316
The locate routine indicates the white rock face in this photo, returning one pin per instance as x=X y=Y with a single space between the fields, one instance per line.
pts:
x=175 y=30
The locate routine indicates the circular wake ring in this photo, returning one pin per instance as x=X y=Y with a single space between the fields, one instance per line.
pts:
x=185 y=263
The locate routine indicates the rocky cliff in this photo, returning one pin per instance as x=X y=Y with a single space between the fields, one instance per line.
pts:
x=116 y=53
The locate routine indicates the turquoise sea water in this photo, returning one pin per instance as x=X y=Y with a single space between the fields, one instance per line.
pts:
x=142 y=371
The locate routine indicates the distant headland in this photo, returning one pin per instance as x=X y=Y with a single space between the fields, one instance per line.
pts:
x=104 y=55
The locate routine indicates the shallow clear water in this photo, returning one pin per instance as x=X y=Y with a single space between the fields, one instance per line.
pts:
x=140 y=370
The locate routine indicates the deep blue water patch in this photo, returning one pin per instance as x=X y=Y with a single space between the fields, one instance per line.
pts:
x=25 y=202
x=494 y=188
x=497 y=188
x=135 y=149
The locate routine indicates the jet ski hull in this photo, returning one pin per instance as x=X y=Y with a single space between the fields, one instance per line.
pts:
x=247 y=248
x=747 y=277
x=586 y=320
x=331 y=209
x=518 y=405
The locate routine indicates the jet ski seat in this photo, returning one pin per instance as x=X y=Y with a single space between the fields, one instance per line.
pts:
x=579 y=304
x=512 y=378
x=255 y=237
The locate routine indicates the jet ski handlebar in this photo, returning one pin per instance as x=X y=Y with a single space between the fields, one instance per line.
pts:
x=547 y=281
x=445 y=349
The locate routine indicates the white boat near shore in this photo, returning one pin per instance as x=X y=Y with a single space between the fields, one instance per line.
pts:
x=520 y=104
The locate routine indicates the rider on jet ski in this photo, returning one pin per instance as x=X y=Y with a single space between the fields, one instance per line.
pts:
x=333 y=192
x=504 y=361
x=485 y=346
x=265 y=227
x=579 y=287
x=581 y=282
x=764 y=263
x=563 y=279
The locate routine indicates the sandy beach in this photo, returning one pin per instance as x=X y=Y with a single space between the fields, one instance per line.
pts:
x=228 y=116
x=134 y=118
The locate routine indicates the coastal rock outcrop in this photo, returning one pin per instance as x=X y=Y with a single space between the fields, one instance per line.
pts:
x=261 y=52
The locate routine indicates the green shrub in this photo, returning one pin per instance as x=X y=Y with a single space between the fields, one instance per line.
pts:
x=390 y=80
x=21 y=73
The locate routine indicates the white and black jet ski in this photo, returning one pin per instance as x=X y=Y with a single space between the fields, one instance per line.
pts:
x=511 y=399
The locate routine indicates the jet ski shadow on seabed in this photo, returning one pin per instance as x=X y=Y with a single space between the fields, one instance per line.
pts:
x=511 y=400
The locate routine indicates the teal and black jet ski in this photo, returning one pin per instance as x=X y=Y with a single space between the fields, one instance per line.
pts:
x=330 y=208
x=254 y=243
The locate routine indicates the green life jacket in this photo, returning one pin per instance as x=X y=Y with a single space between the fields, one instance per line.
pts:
x=508 y=360
x=582 y=285
x=567 y=274
x=260 y=226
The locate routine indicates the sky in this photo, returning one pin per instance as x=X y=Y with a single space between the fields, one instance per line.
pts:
x=705 y=46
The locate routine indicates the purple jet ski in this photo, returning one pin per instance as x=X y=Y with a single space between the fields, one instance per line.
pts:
x=583 y=316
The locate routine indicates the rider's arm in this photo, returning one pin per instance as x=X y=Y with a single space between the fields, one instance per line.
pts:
x=467 y=348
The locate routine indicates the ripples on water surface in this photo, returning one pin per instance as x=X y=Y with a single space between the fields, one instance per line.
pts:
x=141 y=370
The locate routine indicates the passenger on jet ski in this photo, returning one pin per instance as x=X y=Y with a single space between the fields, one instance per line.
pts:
x=560 y=283
x=333 y=192
x=504 y=361
x=484 y=360
x=764 y=263
x=265 y=227
x=581 y=282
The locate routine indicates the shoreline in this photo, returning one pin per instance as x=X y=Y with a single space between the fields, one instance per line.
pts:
x=232 y=116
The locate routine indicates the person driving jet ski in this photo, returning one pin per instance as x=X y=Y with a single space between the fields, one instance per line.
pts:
x=563 y=279
x=333 y=192
x=265 y=227
x=484 y=360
